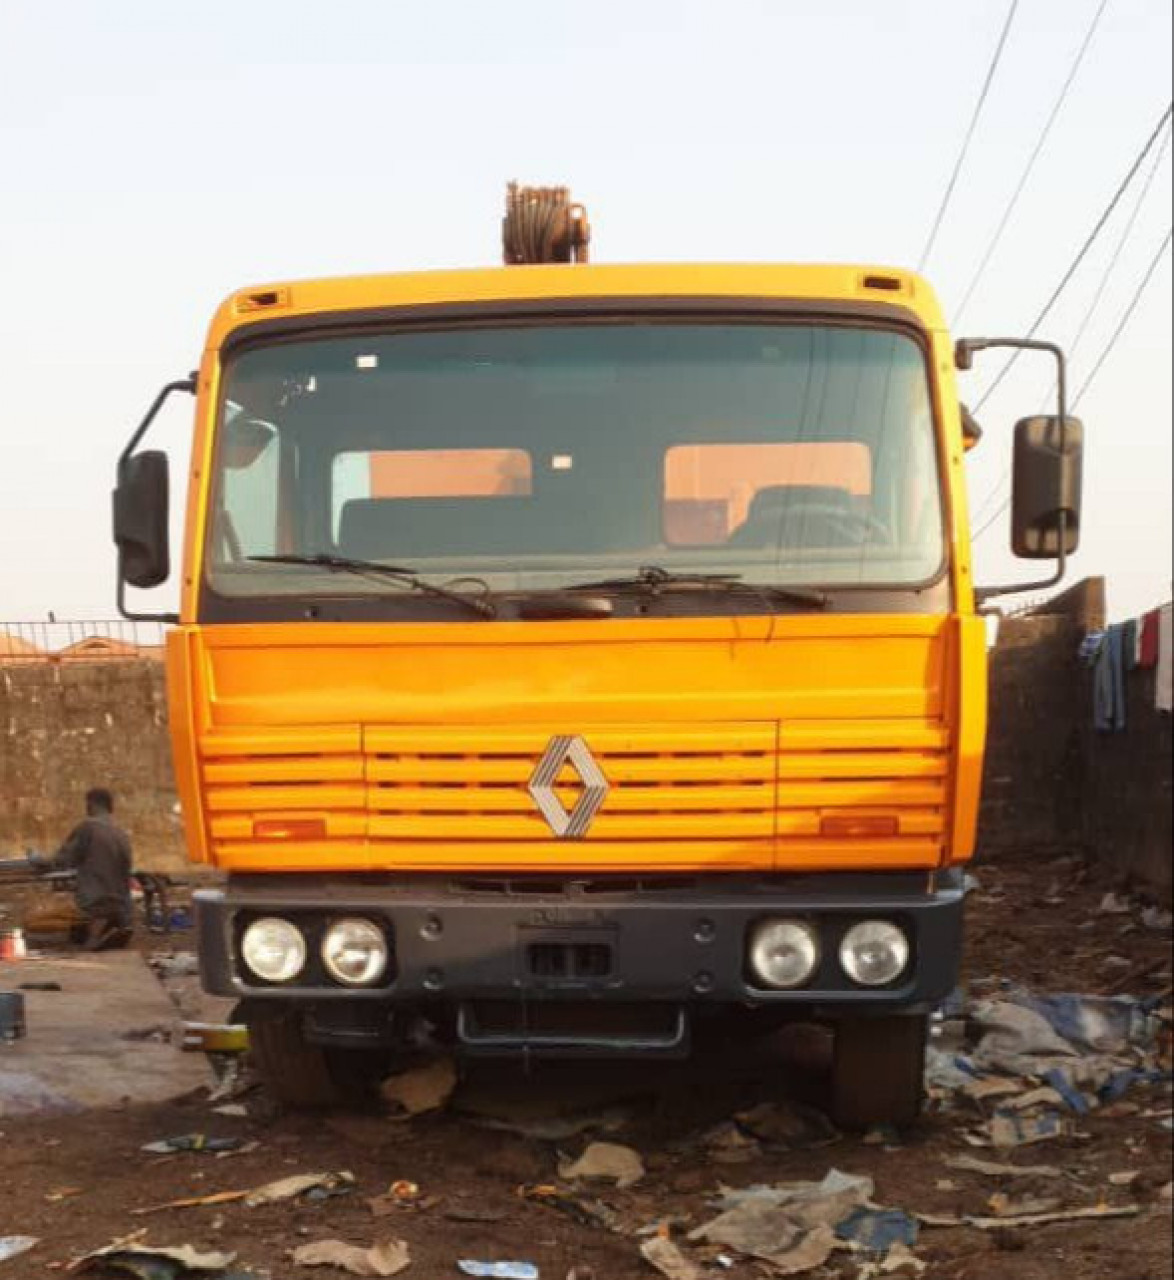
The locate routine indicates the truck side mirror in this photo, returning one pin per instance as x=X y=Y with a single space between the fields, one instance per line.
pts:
x=141 y=512
x=1046 y=487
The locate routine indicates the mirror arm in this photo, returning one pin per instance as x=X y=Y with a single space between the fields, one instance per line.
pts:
x=964 y=351
x=187 y=384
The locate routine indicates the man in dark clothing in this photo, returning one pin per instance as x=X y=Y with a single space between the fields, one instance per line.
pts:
x=100 y=854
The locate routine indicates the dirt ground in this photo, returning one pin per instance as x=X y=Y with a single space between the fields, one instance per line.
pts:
x=78 y=1183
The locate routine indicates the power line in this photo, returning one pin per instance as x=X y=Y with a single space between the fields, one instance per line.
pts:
x=996 y=489
x=1125 y=319
x=1122 y=324
x=982 y=97
x=1074 y=266
x=1013 y=203
x=1125 y=235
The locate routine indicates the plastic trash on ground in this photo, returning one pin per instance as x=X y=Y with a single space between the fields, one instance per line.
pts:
x=498 y=1270
x=386 y=1258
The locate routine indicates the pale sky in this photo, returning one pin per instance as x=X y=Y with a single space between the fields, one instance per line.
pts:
x=155 y=157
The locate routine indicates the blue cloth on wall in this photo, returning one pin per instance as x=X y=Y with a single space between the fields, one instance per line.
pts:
x=1109 y=682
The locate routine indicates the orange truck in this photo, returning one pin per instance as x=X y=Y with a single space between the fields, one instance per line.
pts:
x=583 y=658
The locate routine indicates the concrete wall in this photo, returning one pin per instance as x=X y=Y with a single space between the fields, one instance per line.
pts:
x=67 y=727
x=1052 y=781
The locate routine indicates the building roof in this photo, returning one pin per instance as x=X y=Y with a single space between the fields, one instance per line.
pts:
x=14 y=649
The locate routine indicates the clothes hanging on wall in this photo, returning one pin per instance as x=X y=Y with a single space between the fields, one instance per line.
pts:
x=1150 y=629
x=1164 y=691
x=1109 y=682
x=1131 y=643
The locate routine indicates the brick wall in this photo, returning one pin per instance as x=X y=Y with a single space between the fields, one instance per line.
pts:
x=65 y=728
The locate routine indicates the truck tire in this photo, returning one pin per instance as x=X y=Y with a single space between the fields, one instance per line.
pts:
x=309 y=1076
x=878 y=1071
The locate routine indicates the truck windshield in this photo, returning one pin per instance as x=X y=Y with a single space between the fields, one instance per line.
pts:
x=535 y=457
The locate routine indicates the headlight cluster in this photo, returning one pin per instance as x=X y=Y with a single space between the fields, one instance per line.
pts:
x=784 y=954
x=354 y=951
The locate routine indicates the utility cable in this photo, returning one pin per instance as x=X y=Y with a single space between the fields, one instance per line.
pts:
x=1029 y=168
x=1074 y=266
x=995 y=491
x=1121 y=243
x=1122 y=324
x=966 y=141
x=1127 y=315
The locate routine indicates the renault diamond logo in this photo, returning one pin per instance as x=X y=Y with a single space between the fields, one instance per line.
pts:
x=572 y=824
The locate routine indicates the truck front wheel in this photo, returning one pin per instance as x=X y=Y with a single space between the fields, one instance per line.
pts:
x=878 y=1071
x=305 y=1075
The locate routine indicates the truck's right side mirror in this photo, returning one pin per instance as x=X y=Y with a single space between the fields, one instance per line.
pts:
x=141 y=510
x=1046 y=487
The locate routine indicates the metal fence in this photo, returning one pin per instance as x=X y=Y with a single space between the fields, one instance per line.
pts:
x=78 y=640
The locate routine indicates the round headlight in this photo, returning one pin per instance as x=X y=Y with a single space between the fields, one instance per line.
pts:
x=355 y=952
x=274 y=949
x=784 y=953
x=874 y=953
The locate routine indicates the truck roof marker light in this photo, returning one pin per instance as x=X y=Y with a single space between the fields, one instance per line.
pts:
x=289 y=829
x=261 y=300
x=852 y=826
x=886 y=284
x=367 y=362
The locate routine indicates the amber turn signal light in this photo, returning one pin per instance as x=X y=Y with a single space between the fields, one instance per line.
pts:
x=290 y=829
x=847 y=826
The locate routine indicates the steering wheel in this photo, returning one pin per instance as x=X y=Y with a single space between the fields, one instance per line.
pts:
x=857 y=526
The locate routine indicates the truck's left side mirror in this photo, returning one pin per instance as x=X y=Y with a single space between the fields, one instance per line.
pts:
x=1046 y=487
x=141 y=511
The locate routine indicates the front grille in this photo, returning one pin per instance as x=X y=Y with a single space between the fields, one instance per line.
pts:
x=441 y=797
x=671 y=781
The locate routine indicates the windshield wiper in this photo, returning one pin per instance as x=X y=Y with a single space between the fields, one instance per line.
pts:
x=652 y=579
x=392 y=572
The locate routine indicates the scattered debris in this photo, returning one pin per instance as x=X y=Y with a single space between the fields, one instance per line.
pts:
x=1008 y=1131
x=586 y=1212
x=1157 y=919
x=183 y=964
x=1114 y=904
x=400 y=1195
x=877 y=1230
x=970 y=1164
x=498 y=1270
x=730 y=1144
x=193 y=1142
x=14 y=1246
x=192 y=1202
x=298 y=1185
x=790 y=1226
x=138 y=1259
x=605 y=1162
x=902 y=1261
x=269 y=1193
x=1033 y=1220
x=899 y=1261
x=387 y=1258
x=1002 y=1206
x=789 y=1125
x=1125 y=1179
x=423 y=1089
x=668 y=1259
